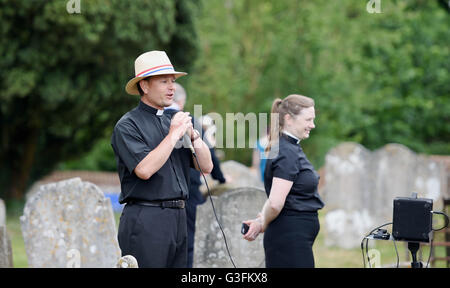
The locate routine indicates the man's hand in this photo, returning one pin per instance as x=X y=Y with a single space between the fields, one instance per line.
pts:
x=180 y=124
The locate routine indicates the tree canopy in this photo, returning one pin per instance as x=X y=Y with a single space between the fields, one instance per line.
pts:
x=63 y=75
x=376 y=78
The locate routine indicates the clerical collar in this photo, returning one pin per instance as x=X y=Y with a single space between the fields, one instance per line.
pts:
x=150 y=109
x=291 y=137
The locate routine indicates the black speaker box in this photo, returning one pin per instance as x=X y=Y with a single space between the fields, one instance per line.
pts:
x=412 y=219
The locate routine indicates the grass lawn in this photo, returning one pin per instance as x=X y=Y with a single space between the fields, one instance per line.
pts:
x=325 y=257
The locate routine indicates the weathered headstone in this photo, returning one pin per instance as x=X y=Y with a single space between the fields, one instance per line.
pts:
x=70 y=224
x=361 y=185
x=2 y=213
x=5 y=242
x=232 y=208
x=240 y=175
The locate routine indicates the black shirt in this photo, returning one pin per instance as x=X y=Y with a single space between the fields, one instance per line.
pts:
x=195 y=196
x=288 y=161
x=135 y=135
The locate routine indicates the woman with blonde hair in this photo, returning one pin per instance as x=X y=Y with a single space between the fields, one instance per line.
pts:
x=289 y=217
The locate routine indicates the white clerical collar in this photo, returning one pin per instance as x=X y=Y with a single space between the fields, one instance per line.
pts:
x=159 y=112
x=290 y=135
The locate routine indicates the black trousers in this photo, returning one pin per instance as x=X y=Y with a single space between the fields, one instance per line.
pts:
x=289 y=239
x=155 y=236
x=191 y=213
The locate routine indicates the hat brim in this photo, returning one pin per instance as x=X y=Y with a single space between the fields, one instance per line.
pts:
x=131 y=87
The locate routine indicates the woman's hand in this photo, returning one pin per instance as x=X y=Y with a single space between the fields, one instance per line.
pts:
x=271 y=209
x=256 y=227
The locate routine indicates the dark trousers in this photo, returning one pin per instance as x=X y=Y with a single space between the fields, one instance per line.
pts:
x=191 y=212
x=155 y=236
x=195 y=198
x=289 y=239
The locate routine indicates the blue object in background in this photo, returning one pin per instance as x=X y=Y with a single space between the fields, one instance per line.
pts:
x=114 y=197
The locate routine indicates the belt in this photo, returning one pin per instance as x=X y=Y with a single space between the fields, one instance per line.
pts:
x=174 y=204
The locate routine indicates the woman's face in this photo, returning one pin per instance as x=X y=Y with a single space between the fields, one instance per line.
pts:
x=301 y=125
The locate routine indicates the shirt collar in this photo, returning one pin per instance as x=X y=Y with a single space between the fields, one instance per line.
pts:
x=150 y=109
x=291 y=137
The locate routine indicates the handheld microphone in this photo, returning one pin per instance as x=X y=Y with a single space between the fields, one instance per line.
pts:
x=186 y=139
x=188 y=143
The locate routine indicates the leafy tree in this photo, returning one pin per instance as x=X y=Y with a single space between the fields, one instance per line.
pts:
x=376 y=78
x=62 y=75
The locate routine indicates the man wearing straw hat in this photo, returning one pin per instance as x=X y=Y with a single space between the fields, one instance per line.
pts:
x=154 y=168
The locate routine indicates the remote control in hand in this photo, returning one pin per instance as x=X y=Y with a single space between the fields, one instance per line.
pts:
x=244 y=228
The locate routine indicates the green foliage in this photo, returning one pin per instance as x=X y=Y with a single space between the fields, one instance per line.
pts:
x=63 y=75
x=100 y=158
x=376 y=78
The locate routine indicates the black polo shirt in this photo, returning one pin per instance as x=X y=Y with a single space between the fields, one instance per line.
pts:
x=135 y=135
x=288 y=161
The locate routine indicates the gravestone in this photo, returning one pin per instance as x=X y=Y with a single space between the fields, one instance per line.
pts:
x=241 y=176
x=2 y=213
x=5 y=242
x=70 y=224
x=361 y=185
x=232 y=208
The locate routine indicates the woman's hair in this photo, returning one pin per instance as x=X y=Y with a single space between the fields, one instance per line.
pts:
x=292 y=105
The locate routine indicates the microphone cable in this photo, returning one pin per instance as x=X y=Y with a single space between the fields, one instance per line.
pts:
x=367 y=246
x=432 y=229
x=214 y=209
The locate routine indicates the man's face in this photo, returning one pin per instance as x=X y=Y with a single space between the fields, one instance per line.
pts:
x=158 y=91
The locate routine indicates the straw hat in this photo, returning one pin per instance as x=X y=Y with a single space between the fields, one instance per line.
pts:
x=150 y=64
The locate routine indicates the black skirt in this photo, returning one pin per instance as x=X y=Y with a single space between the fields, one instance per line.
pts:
x=289 y=239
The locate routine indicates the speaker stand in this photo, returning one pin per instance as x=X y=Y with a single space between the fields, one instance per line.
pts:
x=413 y=247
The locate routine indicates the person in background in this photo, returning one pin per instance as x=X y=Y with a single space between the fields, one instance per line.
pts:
x=259 y=158
x=289 y=217
x=195 y=196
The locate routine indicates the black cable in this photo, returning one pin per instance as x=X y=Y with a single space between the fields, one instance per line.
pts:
x=362 y=251
x=446 y=220
x=429 y=255
x=367 y=252
x=431 y=242
x=367 y=244
x=214 y=210
x=396 y=252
